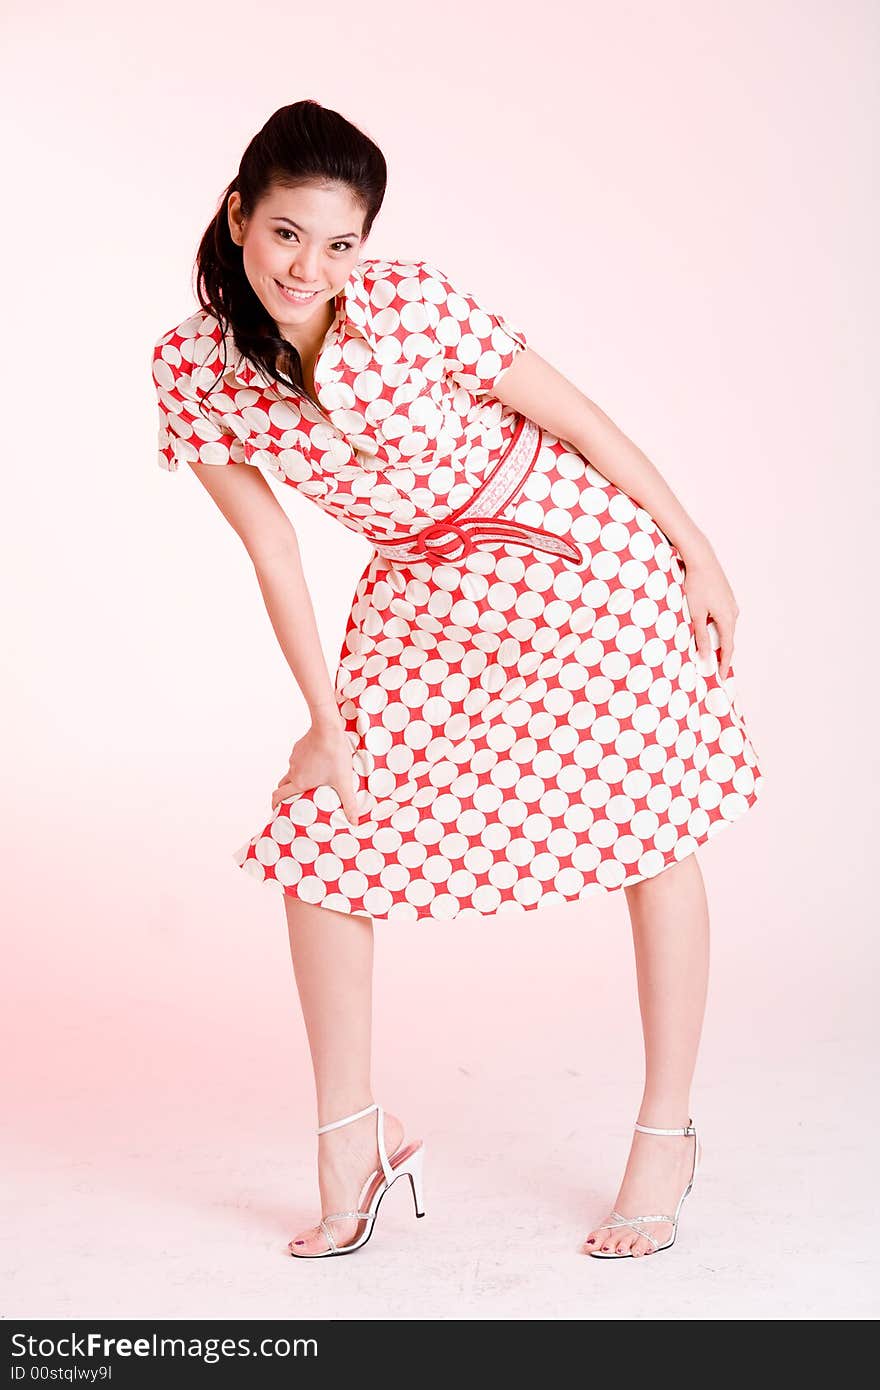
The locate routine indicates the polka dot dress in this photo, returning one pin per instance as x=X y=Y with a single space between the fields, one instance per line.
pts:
x=524 y=731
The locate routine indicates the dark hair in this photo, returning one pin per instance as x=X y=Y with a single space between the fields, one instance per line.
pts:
x=301 y=143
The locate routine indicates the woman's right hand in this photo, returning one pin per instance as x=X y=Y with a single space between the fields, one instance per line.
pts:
x=322 y=757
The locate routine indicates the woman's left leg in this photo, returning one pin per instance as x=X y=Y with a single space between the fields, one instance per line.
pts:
x=670 y=926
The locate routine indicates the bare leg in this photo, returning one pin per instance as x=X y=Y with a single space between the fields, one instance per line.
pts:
x=670 y=926
x=332 y=955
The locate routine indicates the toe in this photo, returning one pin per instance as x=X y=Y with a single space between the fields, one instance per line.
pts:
x=625 y=1241
x=641 y=1247
x=600 y=1239
x=310 y=1242
x=600 y=1235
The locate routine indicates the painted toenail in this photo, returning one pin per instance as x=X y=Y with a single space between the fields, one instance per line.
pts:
x=299 y=1242
x=591 y=1241
x=604 y=1247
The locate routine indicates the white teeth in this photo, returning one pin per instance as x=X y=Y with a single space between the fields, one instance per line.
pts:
x=296 y=294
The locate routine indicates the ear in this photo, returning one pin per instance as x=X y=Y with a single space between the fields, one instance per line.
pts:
x=233 y=216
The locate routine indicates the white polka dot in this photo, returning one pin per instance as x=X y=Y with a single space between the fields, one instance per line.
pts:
x=282 y=830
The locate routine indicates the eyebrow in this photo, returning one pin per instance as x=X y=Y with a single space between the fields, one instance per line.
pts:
x=302 y=229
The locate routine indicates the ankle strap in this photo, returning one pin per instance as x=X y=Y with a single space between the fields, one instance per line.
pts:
x=648 y=1129
x=348 y=1118
x=380 y=1135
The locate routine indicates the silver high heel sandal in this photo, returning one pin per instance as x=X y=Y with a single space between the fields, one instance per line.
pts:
x=407 y=1160
x=636 y=1222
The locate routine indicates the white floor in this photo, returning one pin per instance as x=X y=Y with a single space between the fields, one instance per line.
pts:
x=155 y=1201
x=160 y=1114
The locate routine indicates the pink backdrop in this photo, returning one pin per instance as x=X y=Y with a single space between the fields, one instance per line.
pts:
x=675 y=203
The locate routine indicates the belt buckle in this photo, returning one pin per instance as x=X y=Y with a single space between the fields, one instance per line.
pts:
x=441 y=527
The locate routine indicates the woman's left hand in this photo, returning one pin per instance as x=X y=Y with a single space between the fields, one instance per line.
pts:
x=709 y=595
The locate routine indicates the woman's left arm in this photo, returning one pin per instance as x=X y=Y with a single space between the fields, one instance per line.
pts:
x=534 y=388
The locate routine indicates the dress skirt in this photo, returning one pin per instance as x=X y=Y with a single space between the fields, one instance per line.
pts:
x=524 y=731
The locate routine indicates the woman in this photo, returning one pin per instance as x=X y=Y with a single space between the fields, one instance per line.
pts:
x=534 y=699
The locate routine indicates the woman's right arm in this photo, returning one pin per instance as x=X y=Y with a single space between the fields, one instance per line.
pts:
x=323 y=755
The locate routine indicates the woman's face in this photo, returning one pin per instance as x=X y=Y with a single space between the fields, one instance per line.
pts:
x=307 y=238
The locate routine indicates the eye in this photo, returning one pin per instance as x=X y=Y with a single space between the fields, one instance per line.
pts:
x=286 y=232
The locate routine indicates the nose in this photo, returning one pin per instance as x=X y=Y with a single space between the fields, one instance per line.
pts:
x=306 y=268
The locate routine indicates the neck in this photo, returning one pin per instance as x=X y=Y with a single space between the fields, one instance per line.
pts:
x=308 y=337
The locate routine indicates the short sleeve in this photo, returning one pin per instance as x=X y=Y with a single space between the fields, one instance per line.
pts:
x=479 y=345
x=190 y=431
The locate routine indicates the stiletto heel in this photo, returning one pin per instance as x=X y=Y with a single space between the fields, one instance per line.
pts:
x=636 y=1222
x=407 y=1160
x=414 y=1168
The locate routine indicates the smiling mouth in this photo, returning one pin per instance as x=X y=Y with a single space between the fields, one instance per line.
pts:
x=297 y=296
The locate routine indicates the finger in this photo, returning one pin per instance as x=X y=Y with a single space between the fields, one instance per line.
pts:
x=726 y=655
x=349 y=805
x=283 y=792
x=701 y=634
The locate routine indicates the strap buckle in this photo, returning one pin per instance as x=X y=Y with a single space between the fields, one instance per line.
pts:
x=442 y=547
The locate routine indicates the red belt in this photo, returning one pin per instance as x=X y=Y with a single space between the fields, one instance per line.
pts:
x=478 y=518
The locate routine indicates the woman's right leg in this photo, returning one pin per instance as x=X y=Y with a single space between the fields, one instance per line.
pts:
x=332 y=955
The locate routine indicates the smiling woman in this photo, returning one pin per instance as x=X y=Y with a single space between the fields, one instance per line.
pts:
x=531 y=702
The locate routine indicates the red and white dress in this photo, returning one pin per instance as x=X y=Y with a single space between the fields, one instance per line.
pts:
x=524 y=731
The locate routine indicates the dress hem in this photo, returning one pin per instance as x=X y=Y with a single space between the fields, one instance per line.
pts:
x=552 y=899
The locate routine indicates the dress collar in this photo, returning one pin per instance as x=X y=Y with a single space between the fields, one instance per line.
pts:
x=352 y=306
